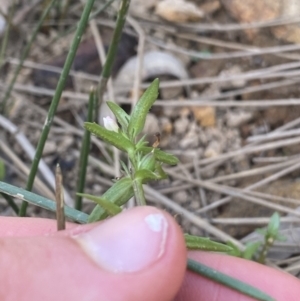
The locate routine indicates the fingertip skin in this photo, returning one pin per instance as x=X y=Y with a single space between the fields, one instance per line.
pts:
x=277 y=284
x=55 y=267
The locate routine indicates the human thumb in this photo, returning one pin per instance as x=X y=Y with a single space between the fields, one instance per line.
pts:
x=137 y=255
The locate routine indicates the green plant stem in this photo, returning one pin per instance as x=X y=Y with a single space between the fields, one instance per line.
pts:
x=11 y=203
x=24 y=54
x=139 y=193
x=111 y=54
x=55 y=100
x=221 y=278
x=84 y=152
x=264 y=251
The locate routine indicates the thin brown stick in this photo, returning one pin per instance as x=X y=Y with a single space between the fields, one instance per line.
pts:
x=59 y=196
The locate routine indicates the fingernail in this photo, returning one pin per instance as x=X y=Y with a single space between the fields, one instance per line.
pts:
x=128 y=242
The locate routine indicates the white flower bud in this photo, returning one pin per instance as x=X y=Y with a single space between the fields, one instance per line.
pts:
x=110 y=124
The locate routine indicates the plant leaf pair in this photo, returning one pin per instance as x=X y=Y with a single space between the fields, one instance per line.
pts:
x=205 y=244
x=160 y=155
x=118 y=194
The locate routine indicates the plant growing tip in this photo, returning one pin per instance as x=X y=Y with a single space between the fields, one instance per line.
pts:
x=119 y=194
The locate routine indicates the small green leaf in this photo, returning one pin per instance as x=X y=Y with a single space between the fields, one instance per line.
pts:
x=280 y=237
x=145 y=175
x=248 y=253
x=141 y=143
x=140 y=111
x=108 y=206
x=147 y=162
x=160 y=155
x=160 y=171
x=121 y=115
x=166 y=158
x=251 y=249
x=273 y=225
x=261 y=231
x=205 y=244
x=111 y=137
x=119 y=194
x=235 y=250
x=125 y=168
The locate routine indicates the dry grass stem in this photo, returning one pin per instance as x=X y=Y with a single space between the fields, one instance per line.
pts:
x=59 y=197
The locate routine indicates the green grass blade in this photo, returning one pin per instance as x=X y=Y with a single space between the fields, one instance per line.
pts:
x=111 y=54
x=228 y=281
x=84 y=152
x=56 y=98
x=43 y=202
